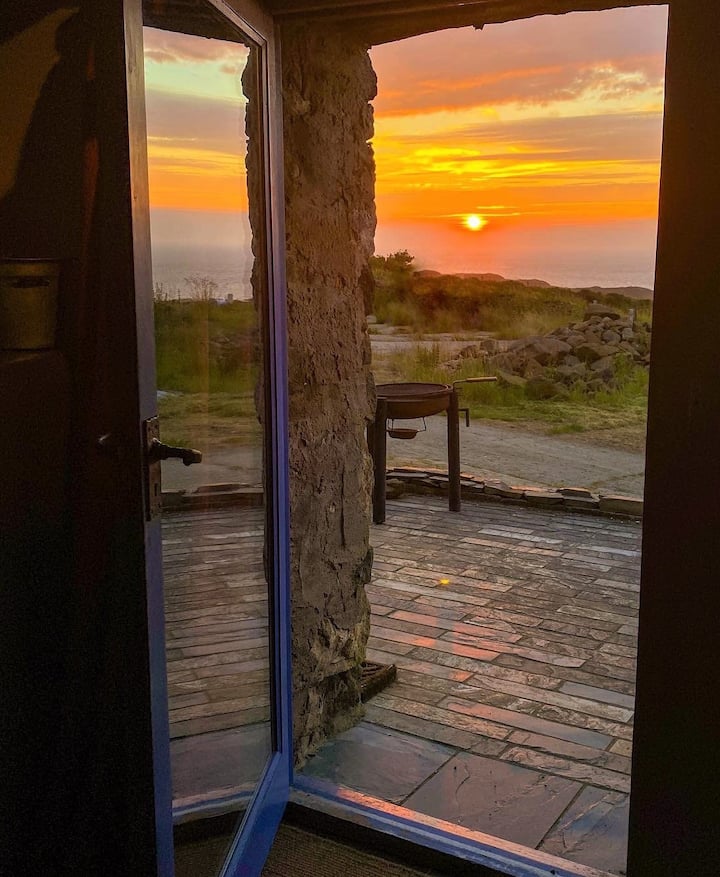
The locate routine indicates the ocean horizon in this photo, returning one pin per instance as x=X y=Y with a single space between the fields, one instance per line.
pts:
x=611 y=254
x=574 y=257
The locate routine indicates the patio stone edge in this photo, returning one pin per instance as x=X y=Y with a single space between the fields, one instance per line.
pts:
x=474 y=488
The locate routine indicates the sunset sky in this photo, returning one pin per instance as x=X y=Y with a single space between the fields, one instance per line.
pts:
x=196 y=139
x=545 y=132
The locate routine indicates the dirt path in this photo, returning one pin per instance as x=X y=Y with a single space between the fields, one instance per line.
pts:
x=498 y=452
x=505 y=452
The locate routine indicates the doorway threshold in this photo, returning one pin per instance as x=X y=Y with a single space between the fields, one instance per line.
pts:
x=416 y=838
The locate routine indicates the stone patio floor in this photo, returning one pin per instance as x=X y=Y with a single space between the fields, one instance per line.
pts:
x=514 y=633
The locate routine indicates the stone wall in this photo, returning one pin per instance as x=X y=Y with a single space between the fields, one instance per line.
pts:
x=330 y=221
x=589 y=356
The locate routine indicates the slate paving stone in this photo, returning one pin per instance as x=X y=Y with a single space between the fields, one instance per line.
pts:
x=514 y=632
x=380 y=762
x=576 y=770
x=215 y=763
x=593 y=831
x=504 y=800
x=424 y=728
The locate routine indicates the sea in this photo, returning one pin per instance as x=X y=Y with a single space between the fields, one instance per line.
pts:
x=609 y=255
x=571 y=256
x=230 y=267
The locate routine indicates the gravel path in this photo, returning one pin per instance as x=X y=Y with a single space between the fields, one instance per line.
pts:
x=498 y=452
x=503 y=452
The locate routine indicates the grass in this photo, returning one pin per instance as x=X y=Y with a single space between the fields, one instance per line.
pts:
x=207 y=362
x=207 y=368
x=209 y=420
x=205 y=347
x=430 y=304
x=566 y=429
x=614 y=416
x=436 y=303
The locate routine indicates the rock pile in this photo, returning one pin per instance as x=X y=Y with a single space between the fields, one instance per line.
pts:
x=588 y=355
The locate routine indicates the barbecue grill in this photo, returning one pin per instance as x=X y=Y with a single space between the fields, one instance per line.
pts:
x=409 y=401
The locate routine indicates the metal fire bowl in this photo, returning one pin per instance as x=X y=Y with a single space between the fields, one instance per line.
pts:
x=408 y=401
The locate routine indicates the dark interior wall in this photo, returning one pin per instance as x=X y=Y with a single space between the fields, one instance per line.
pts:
x=78 y=795
x=328 y=83
x=41 y=72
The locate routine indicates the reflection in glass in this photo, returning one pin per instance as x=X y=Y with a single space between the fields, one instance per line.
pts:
x=208 y=321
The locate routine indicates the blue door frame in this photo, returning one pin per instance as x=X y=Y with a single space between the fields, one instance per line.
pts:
x=254 y=838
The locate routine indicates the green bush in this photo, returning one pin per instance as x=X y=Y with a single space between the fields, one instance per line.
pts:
x=205 y=347
x=431 y=303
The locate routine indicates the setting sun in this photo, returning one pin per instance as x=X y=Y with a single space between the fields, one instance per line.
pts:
x=475 y=222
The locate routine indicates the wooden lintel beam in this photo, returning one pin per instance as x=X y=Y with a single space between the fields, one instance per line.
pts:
x=359 y=8
x=383 y=21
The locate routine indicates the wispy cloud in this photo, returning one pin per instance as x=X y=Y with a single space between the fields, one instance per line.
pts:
x=536 y=62
x=196 y=148
x=561 y=117
x=168 y=47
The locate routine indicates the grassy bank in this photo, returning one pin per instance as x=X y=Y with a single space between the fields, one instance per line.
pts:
x=615 y=416
x=205 y=347
x=429 y=303
x=207 y=371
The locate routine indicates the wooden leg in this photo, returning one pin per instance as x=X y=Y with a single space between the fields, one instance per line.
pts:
x=453 y=431
x=379 y=455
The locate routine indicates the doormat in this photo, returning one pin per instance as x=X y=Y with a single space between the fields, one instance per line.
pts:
x=298 y=853
x=295 y=853
x=375 y=677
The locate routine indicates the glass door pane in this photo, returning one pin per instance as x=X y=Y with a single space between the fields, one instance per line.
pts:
x=203 y=99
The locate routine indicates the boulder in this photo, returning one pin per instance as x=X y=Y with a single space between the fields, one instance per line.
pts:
x=473 y=351
x=568 y=356
x=574 y=338
x=597 y=309
x=510 y=379
x=547 y=350
x=533 y=369
x=609 y=336
x=591 y=352
x=595 y=385
x=606 y=365
x=571 y=373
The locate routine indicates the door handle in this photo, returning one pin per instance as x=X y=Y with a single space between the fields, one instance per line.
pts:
x=158 y=451
x=155 y=452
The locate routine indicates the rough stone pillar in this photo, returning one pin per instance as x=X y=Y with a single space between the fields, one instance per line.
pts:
x=330 y=215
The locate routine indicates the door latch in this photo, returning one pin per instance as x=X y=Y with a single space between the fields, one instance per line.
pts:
x=160 y=451
x=155 y=452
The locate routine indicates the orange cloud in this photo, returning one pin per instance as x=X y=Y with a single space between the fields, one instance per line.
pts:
x=182 y=177
x=559 y=117
x=535 y=61
x=169 y=47
x=196 y=152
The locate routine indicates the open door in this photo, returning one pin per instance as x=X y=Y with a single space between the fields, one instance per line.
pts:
x=207 y=226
